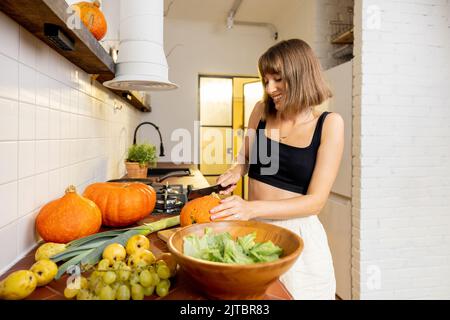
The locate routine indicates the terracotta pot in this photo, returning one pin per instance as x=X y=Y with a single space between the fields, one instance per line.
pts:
x=135 y=170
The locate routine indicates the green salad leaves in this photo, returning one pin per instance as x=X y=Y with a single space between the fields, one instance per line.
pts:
x=223 y=248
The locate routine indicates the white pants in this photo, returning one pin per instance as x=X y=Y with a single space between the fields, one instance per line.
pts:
x=312 y=275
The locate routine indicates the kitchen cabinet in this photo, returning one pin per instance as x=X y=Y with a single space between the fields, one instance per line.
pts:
x=336 y=216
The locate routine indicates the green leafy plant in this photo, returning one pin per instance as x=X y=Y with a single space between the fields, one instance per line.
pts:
x=144 y=154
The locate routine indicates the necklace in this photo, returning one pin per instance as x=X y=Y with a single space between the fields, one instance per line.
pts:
x=295 y=124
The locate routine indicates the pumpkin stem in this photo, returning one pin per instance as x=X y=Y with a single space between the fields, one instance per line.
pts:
x=96 y=3
x=71 y=189
x=215 y=195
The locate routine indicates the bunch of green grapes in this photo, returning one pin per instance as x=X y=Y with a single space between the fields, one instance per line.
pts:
x=122 y=281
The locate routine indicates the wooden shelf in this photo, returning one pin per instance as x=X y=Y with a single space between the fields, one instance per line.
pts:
x=344 y=38
x=345 y=52
x=88 y=54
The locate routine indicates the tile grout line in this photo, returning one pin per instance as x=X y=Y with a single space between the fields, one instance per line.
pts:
x=16 y=221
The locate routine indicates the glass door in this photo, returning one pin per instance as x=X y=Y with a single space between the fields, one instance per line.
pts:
x=222 y=124
x=216 y=123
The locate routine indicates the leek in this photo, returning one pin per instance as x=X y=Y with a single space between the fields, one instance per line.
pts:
x=88 y=251
x=72 y=262
x=81 y=241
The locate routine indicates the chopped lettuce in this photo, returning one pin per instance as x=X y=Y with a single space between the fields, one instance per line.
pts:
x=247 y=242
x=265 y=252
x=223 y=248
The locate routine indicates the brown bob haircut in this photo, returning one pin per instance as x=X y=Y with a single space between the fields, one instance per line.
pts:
x=295 y=62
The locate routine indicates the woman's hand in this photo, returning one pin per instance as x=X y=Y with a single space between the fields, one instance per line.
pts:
x=233 y=208
x=230 y=178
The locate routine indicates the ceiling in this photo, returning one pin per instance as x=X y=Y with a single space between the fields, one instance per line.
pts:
x=217 y=10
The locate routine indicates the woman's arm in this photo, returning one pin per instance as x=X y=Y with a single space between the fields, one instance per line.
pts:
x=241 y=165
x=327 y=165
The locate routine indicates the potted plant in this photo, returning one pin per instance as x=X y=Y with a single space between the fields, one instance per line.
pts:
x=140 y=157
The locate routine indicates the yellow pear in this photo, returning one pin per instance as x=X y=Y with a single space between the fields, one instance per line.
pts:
x=147 y=256
x=114 y=252
x=45 y=271
x=133 y=260
x=137 y=242
x=142 y=257
x=49 y=249
x=18 y=285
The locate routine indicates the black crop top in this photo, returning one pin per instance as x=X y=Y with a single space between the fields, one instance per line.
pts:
x=295 y=165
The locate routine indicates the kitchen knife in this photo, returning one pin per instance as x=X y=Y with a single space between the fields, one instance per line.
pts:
x=196 y=193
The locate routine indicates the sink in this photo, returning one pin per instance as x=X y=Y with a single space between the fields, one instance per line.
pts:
x=158 y=175
x=158 y=172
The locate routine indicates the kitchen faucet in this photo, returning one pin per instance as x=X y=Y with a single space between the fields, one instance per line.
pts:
x=161 y=147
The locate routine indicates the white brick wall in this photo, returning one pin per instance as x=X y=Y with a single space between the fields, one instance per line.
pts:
x=401 y=174
x=56 y=129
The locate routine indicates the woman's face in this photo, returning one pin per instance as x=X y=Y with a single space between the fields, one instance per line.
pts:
x=275 y=87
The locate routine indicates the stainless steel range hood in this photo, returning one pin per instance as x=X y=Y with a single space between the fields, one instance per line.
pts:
x=141 y=61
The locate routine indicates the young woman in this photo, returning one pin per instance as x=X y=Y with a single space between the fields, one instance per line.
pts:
x=306 y=150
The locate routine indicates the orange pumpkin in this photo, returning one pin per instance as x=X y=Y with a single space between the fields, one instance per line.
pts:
x=197 y=210
x=122 y=204
x=92 y=17
x=68 y=218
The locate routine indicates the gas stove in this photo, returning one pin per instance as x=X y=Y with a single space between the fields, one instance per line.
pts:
x=170 y=198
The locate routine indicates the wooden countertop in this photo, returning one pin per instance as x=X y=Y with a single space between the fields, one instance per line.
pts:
x=180 y=289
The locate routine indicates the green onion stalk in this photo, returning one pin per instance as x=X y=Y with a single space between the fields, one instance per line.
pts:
x=87 y=251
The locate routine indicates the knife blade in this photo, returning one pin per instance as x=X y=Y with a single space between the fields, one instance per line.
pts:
x=196 y=193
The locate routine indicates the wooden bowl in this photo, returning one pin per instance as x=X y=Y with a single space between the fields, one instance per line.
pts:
x=237 y=281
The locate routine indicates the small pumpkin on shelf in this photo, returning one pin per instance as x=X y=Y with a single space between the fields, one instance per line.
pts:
x=122 y=204
x=68 y=218
x=197 y=210
x=92 y=17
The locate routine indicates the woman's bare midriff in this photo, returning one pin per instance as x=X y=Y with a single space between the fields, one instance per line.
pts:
x=258 y=190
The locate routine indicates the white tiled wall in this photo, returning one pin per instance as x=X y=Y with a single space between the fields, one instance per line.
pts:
x=56 y=129
x=401 y=164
